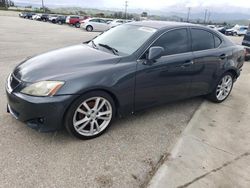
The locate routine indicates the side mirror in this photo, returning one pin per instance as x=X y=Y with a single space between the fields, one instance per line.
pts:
x=155 y=52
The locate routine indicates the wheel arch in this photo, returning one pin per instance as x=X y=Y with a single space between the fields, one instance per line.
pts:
x=233 y=71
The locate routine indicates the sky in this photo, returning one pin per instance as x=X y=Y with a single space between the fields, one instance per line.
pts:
x=143 y=4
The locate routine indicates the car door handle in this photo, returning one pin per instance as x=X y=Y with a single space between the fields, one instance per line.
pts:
x=187 y=64
x=223 y=56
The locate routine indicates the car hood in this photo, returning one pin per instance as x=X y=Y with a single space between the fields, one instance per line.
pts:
x=59 y=63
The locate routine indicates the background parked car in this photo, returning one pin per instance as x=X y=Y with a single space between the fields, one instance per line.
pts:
x=237 y=30
x=242 y=31
x=115 y=23
x=95 y=24
x=246 y=42
x=52 y=18
x=74 y=20
x=44 y=17
x=27 y=15
x=60 y=19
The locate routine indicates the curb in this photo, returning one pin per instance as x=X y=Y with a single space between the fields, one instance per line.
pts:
x=160 y=172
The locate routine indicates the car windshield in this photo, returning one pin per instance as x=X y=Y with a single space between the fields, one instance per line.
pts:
x=125 y=39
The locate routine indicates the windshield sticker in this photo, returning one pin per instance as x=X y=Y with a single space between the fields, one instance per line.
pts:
x=147 y=29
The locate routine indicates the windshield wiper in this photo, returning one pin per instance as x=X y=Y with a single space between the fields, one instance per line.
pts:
x=115 y=51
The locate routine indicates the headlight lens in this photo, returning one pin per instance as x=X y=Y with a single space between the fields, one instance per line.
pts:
x=43 y=88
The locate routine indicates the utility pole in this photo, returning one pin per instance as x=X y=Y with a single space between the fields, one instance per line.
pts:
x=188 y=15
x=5 y=3
x=43 y=6
x=126 y=7
x=208 y=17
x=205 y=16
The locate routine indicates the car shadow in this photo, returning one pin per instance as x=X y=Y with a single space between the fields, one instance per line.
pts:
x=174 y=113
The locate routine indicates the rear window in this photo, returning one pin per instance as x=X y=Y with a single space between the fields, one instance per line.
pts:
x=202 y=40
x=217 y=41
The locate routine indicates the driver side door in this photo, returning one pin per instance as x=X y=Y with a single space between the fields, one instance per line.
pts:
x=169 y=77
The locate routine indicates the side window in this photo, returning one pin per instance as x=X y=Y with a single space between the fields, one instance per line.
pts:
x=102 y=21
x=94 y=20
x=217 y=41
x=202 y=40
x=174 y=42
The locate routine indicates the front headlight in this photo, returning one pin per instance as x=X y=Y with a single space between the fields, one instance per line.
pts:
x=43 y=88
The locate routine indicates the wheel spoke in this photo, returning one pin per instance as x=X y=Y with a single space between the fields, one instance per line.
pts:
x=101 y=105
x=97 y=126
x=91 y=131
x=83 y=126
x=80 y=121
x=229 y=82
x=104 y=118
x=220 y=94
x=86 y=106
x=81 y=111
x=97 y=101
x=104 y=113
x=224 y=80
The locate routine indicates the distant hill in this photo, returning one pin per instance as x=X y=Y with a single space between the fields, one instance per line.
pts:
x=217 y=14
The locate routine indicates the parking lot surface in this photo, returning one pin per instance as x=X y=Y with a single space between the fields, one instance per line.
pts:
x=124 y=156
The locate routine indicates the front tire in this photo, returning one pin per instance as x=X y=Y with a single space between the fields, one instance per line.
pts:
x=77 y=25
x=90 y=115
x=222 y=89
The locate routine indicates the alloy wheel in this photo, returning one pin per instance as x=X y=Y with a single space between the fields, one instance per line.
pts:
x=92 y=116
x=224 y=87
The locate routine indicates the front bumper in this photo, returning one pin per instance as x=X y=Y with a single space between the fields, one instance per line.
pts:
x=44 y=114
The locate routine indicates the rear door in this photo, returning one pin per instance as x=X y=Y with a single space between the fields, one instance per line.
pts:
x=95 y=23
x=208 y=57
x=103 y=25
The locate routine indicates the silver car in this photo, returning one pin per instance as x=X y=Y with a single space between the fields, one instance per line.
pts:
x=95 y=24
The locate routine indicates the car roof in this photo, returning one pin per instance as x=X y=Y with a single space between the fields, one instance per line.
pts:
x=162 y=24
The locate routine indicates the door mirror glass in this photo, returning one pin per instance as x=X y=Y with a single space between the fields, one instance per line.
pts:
x=155 y=52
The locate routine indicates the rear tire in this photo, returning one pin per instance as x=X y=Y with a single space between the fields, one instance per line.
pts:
x=222 y=89
x=89 y=28
x=91 y=121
